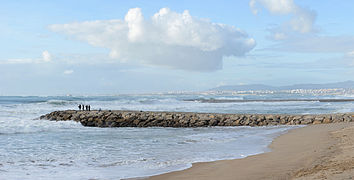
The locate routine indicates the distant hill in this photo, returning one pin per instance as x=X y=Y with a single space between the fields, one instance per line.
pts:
x=253 y=87
x=250 y=87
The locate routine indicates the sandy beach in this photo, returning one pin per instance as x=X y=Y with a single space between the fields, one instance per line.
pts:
x=323 y=151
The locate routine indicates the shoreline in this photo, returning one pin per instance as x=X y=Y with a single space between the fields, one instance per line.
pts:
x=190 y=165
x=308 y=152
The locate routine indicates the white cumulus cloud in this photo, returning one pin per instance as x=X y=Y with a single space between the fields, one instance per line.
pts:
x=274 y=6
x=279 y=36
x=350 y=54
x=46 y=56
x=168 y=38
x=68 y=72
x=302 y=20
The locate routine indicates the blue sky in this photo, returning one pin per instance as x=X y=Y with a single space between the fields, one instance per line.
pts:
x=112 y=47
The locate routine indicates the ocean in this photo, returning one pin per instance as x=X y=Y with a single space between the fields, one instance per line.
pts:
x=39 y=149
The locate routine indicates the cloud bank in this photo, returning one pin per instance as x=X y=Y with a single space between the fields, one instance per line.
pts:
x=46 y=58
x=316 y=44
x=302 y=20
x=171 y=39
x=350 y=58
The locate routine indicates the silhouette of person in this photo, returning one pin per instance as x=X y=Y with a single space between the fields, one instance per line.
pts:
x=79 y=106
x=89 y=107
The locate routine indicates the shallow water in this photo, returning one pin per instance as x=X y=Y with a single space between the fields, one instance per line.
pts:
x=74 y=152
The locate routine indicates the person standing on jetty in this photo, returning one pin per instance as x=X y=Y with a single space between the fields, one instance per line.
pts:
x=84 y=107
x=88 y=107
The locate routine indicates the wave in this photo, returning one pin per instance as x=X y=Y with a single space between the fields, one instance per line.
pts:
x=61 y=102
x=184 y=103
x=136 y=152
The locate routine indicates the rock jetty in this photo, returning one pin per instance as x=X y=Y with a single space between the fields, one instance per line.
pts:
x=189 y=119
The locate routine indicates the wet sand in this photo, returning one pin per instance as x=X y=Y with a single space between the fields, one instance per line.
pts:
x=323 y=151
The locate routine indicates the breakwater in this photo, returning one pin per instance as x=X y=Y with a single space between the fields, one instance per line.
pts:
x=118 y=118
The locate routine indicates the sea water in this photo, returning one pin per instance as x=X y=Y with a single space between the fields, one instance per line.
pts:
x=39 y=149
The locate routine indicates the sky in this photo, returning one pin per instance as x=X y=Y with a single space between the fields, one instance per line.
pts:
x=94 y=47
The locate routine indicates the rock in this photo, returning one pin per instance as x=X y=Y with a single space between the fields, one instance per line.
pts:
x=326 y=120
x=67 y=116
x=260 y=118
x=136 y=122
x=236 y=123
x=319 y=118
x=307 y=120
x=316 y=122
x=347 y=118
x=269 y=117
x=213 y=122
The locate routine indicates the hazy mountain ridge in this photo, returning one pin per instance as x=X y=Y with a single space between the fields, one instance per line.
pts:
x=253 y=87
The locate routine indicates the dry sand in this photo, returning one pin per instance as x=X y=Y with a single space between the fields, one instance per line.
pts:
x=324 y=151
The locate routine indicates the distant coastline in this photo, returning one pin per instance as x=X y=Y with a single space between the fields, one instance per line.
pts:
x=265 y=100
x=260 y=87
